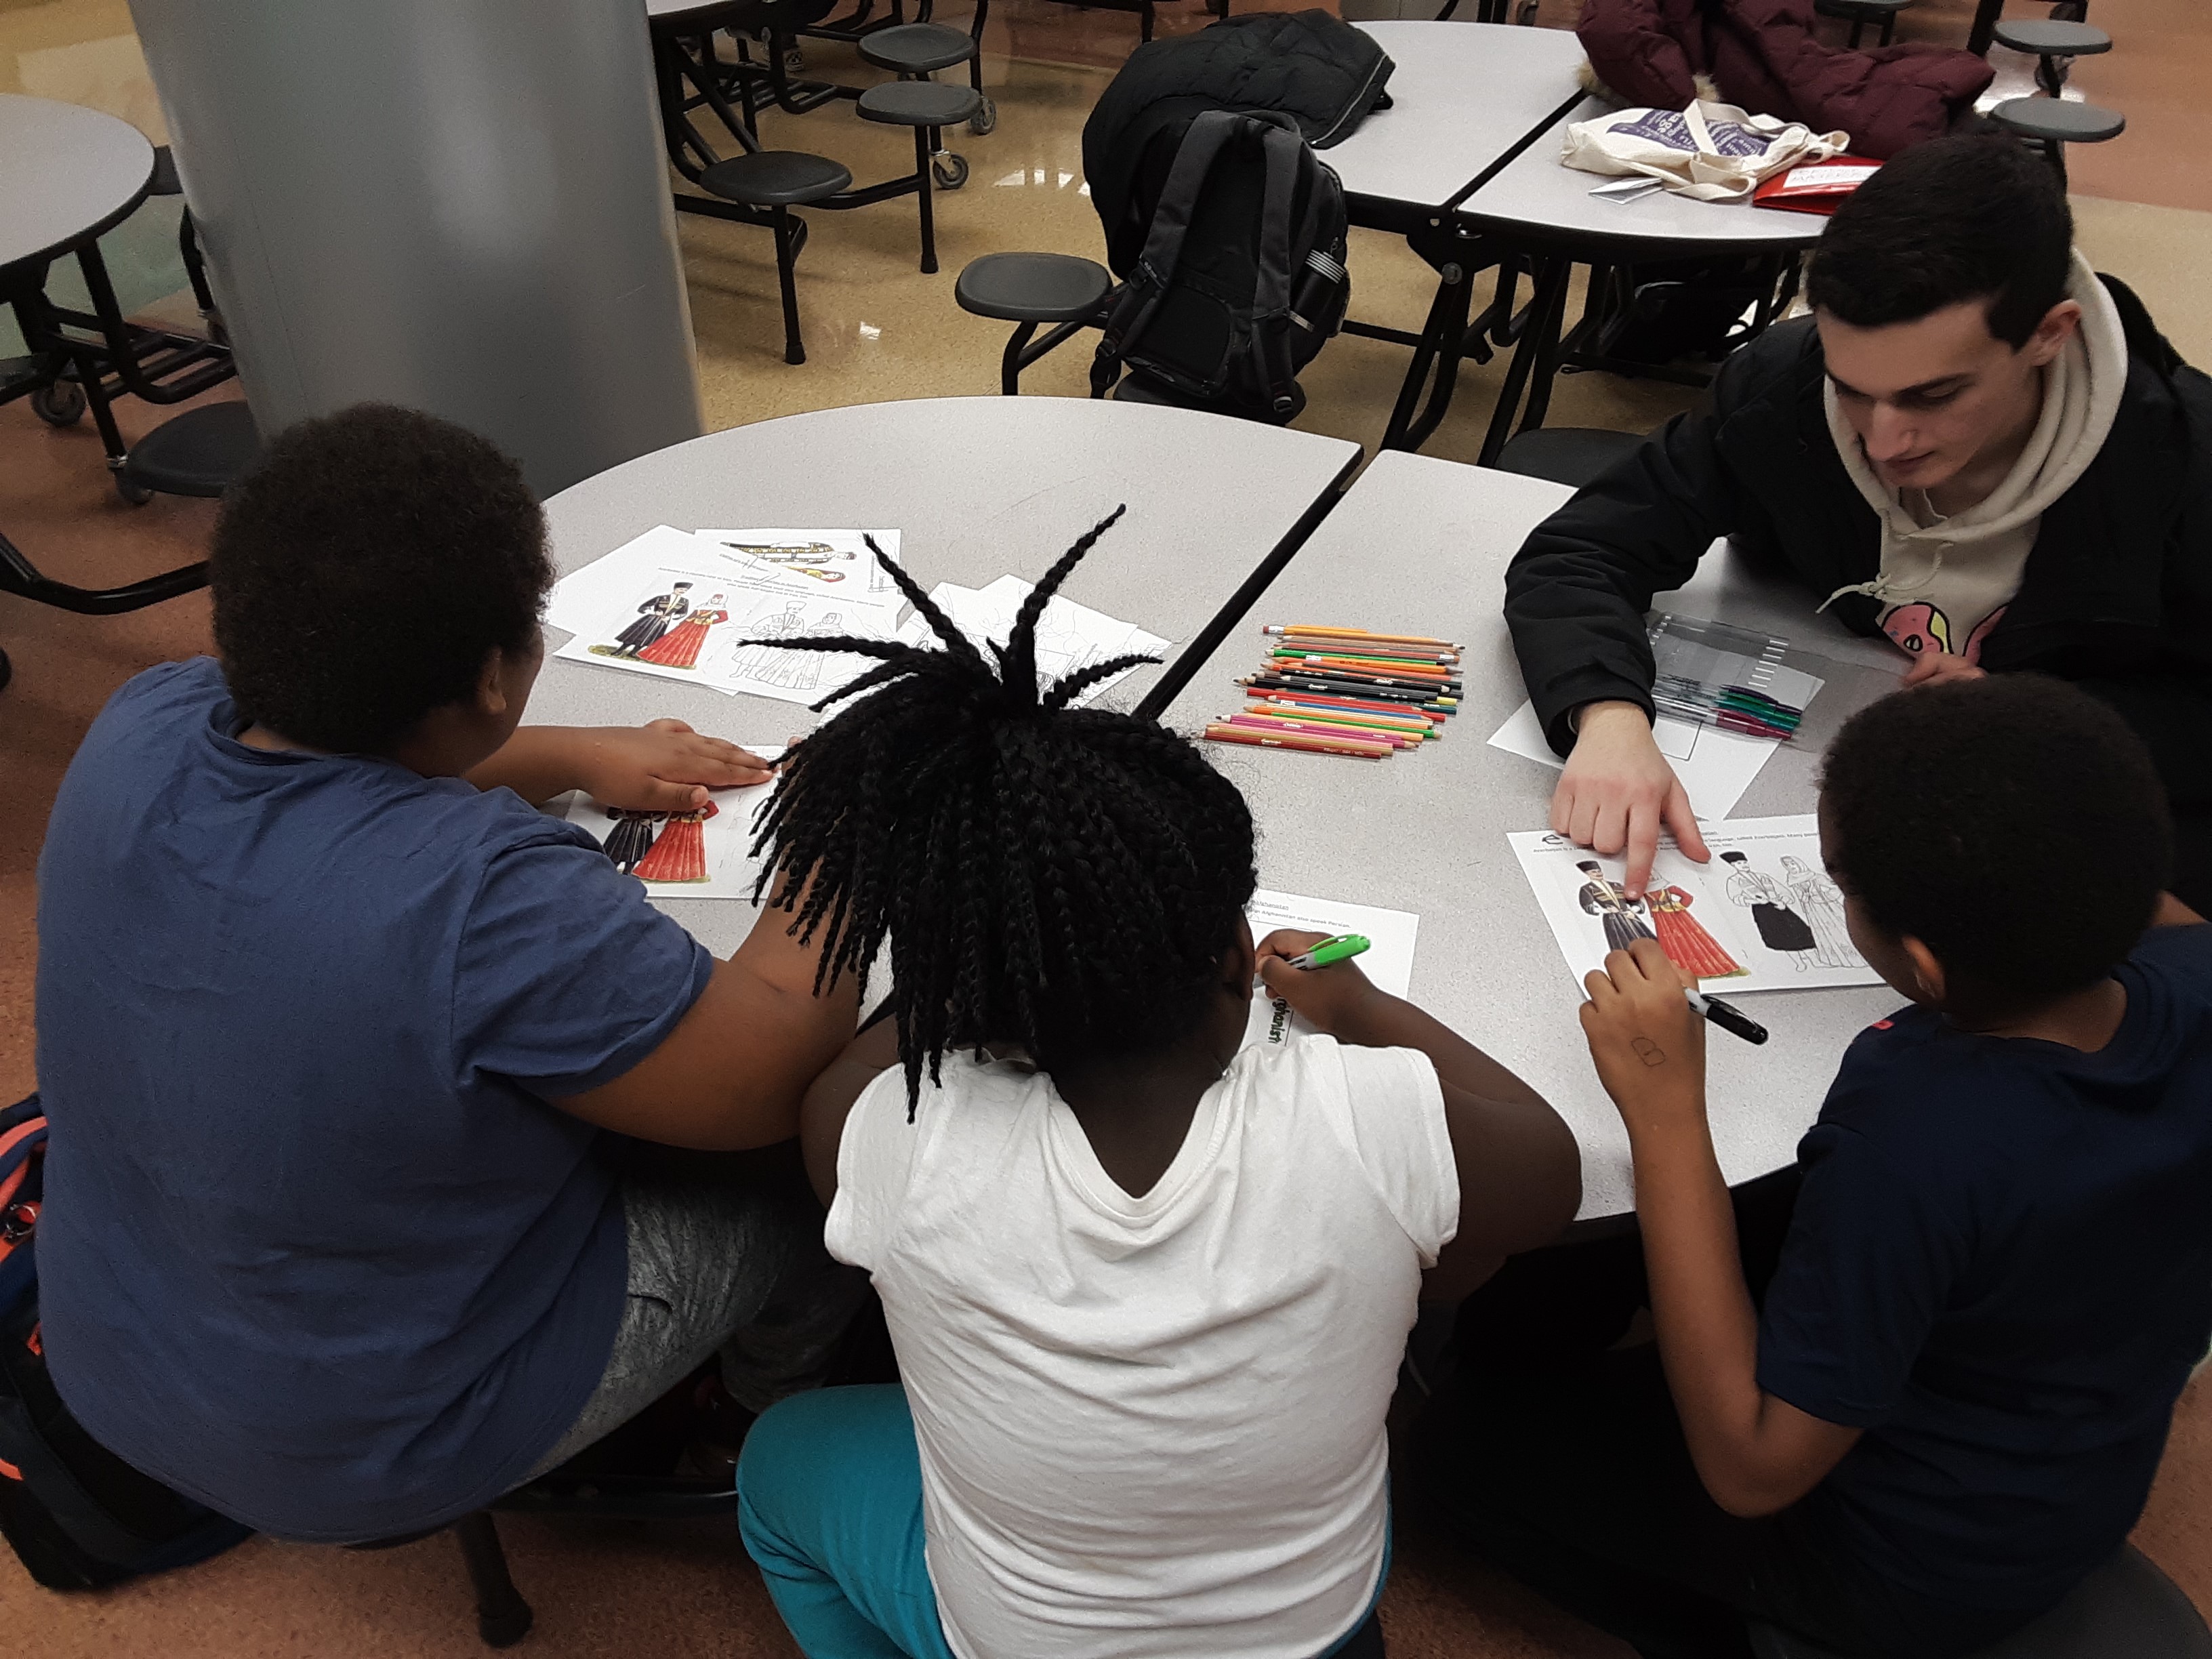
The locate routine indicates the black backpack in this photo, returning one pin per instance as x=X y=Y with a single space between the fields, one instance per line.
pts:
x=77 y=1514
x=1241 y=279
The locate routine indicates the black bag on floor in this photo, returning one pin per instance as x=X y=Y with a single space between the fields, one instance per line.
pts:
x=1242 y=279
x=77 y=1514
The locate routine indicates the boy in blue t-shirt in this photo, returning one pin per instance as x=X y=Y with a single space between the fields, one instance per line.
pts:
x=333 y=1024
x=1947 y=1406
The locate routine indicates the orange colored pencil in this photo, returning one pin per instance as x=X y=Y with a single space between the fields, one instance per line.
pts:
x=1273 y=722
x=1222 y=732
x=1419 y=729
x=1410 y=670
x=1316 y=631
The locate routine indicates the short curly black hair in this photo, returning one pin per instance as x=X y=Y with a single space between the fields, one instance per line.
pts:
x=1065 y=879
x=364 y=571
x=2014 y=824
x=1970 y=216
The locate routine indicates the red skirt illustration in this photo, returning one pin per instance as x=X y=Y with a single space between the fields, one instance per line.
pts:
x=679 y=852
x=679 y=646
x=1687 y=945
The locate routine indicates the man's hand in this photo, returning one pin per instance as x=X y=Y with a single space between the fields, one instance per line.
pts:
x=1618 y=792
x=1328 y=998
x=1648 y=1043
x=664 y=767
x=1941 y=668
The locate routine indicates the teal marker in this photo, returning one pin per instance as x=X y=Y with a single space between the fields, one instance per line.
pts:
x=1342 y=948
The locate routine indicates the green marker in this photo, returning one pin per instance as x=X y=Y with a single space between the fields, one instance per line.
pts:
x=1342 y=948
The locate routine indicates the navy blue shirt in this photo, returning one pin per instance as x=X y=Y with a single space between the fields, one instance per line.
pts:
x=2001 y=1269
x=315 y=1249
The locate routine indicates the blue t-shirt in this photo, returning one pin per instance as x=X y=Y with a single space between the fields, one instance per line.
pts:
x=2001 y=1269
x=315 y=1249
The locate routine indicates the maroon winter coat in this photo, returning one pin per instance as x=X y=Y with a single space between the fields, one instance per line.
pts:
x=1763 y=55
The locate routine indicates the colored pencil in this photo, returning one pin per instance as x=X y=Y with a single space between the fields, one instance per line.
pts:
x=1349 y=687
x=1221 y=732
x=1302 y=646
x=1380 y=681
x=1273 y=722
x=1359 y=634
x=1369 y=665
x=1357 y=705
x=1418 y=730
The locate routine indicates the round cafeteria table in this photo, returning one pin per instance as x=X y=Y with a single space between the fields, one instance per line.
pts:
x=978 y=488
x=67 y=173
x=1421 y=545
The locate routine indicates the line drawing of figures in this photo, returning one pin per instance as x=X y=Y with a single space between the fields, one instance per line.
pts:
x=1685 y=940
x=679 y=853
x=1821 y=903
x=1780 y=927
x=765 y=663
x=679 y=648
x=1610 y=903
x=655 y=617
x=632 y=837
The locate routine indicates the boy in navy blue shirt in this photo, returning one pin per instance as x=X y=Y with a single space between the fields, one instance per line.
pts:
x=1948 y=1404
x=333 y=1024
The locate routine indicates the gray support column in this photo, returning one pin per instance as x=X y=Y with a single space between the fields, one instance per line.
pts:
x=459 y=206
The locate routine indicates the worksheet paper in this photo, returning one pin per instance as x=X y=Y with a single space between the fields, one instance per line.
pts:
x=1762 y=916
x=1069 y=636
x=817 y=563
x=1714 y=766
x=705 y=857
x=1388 y=963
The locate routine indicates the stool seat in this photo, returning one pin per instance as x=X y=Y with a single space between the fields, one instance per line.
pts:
x=919 y=103
x=2059 y=120
x=1871 y=10
x=2053 y=39
x=1566 y=454
x=776 y=178
x=1032 y=288
x=197 y=453
x=916 y=48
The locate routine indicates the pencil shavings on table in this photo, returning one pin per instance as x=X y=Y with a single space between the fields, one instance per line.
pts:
x=1347 y=691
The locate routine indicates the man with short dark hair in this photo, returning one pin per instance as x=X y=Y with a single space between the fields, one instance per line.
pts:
x=1976 y=445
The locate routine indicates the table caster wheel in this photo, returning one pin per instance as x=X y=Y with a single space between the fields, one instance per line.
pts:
x=950 y=171
x=984 y=120
x=131 y=490
x=60 y=403
x=7 y=671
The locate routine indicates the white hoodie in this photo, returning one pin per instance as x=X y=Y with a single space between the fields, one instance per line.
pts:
x=1945 y=582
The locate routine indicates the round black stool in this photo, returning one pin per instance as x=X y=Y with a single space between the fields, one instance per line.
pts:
x=1859 y=13
x=1030 y=289
x=2054 y=45
x=928 y=107
x=198 y=453
x=920 y=49
x=777 y=180
x=2052 y=124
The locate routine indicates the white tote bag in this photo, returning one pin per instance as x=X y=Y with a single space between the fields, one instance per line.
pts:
x=1712 y=152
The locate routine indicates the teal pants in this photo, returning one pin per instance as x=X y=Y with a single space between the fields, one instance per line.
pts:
x=830 y=1505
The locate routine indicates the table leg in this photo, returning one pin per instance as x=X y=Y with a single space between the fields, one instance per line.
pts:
x=1985 y=27
x=1444 y=340
x=1550 y=342
x=1541 y=341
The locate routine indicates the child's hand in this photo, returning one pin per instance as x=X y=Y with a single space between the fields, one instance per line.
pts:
x=1326 y=997
x=1648 y=1043
x=664 y=767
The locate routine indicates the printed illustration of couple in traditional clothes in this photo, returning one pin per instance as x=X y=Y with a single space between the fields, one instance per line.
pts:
x=1801 y=913
x=1686 y=943
x=667 y=632
x=660 y=847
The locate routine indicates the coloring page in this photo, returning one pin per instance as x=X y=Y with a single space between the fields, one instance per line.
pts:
x=701 y=854
x=1388 y=963
x=1762 y=916
x=680 y=624
x=1069 y=636
x=586 y=597
x=818 y=564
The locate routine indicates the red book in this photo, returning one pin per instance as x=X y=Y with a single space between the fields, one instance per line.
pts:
x=1815 y=186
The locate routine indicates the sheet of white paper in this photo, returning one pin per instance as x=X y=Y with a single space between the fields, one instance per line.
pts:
x=818 y=564
x=1762 y=916
x=724 y=637
x=1069 y=636
x=1716 y=767
x=728 y=868
x=1389 y=962
x=583 y=597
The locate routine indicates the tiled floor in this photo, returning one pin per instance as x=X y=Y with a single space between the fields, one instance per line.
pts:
x=877 y=329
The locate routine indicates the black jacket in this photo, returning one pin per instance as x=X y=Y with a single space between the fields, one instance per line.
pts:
x=2116 y=595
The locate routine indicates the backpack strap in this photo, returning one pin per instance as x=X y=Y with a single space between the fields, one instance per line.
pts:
x=1286 y=154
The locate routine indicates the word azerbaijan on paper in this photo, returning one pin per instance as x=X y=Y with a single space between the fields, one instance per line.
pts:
x=1388 y=963
x=701 y=854
x=709 y=607
x=1762 y=916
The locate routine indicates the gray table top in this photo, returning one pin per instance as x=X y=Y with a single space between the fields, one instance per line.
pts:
x=1535 y=194
x=66 y=174
x=978 y=487
x=1421 y=544
x=1462 y=95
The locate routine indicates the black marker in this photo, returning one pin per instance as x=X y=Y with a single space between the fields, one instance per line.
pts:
x=1726 y=1015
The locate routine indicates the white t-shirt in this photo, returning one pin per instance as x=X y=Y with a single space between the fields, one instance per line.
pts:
x=1151 y=1428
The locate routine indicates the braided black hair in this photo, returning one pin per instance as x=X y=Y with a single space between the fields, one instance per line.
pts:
x=1062 y=878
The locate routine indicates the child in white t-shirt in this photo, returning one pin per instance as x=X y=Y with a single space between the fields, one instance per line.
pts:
x=1148 y=1286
